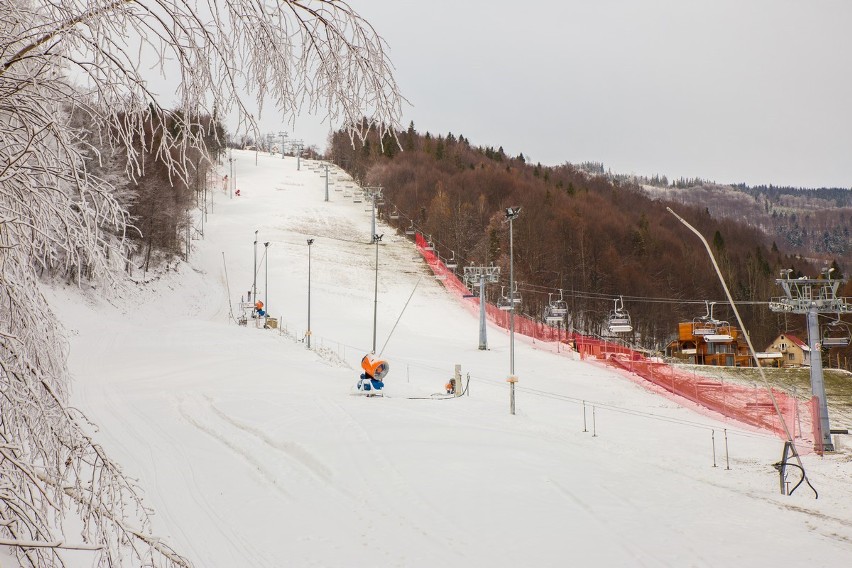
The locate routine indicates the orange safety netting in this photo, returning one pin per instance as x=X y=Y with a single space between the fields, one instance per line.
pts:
x=743 y=403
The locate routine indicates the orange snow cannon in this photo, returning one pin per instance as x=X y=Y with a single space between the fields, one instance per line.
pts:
x=374 y=367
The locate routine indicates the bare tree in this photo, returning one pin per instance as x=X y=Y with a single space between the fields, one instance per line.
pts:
x=66 y=58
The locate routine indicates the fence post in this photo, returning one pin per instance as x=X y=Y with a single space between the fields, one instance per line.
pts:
x=594 y=424
x=713 y=440
x=817 y=426
x=727 y=457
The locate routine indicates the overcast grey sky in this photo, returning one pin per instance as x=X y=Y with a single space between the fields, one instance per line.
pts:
x=757 y=91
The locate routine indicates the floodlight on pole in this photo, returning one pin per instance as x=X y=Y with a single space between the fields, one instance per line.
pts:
x=512 y=214
x=310 y=242
x=231 y=181
x=266 y=276
x=377 y=239
x=254 y=271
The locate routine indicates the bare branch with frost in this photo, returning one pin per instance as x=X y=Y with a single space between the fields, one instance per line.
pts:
x=73 y=94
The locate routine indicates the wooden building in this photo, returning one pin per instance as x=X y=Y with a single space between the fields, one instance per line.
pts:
x=710 y=343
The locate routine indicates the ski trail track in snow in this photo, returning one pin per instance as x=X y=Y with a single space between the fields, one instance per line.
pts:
x=383 y=488
x=254 y=454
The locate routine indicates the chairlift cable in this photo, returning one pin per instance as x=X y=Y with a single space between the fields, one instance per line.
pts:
x=400 y=316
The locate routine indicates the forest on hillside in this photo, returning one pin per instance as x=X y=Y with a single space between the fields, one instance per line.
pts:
x=813 y=223
x=593 y=238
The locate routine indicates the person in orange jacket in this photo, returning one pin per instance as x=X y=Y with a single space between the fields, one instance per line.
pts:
x=258 y=308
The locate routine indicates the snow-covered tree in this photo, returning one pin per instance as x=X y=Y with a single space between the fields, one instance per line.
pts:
x=71 y=69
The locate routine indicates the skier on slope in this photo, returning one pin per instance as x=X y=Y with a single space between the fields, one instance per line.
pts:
x=375 y=370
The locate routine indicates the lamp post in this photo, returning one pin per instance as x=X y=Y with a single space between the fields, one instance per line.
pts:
x=254 y=269
x=283 y=138
x=310 y=242
x=231 y=181
x=376 y=239
x=512 y=214
x=266 y=275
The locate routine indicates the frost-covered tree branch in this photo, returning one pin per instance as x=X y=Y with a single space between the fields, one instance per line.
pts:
x=74 y=94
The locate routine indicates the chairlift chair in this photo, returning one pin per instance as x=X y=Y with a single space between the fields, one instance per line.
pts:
x=451 y=262
x=410 y=230
x=503 y=301
x=358 y=198
x=619 y=319
x=722 y=335
x=516 y=298
x=704 y=325
x=550 y=317
x=394 y=214
x=429 y=245
x=558 y=307
x=836 y=334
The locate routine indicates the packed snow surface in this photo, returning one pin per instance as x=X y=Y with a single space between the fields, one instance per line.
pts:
x=254 y=450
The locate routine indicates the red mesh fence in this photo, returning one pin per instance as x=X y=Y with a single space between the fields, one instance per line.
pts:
x=817 y=425
x=743 y=403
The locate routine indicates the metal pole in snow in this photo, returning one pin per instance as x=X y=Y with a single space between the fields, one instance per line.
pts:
x=727 y=458
x=713 y=439
x=310 y=242
x=254 y=269
x=373 y=225
x=376 y=238
x=594 y=424
x=266 y=275
x=483 y=340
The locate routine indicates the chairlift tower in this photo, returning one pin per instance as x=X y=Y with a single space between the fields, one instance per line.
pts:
x=283 y=142
x=481 y=275
x=374 y=194
x=297 y=149
x=813 y=296
x=326 y=185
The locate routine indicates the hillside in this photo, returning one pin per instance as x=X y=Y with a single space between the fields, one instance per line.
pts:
x=588 y=237
x=252 y=450
x=811 y=223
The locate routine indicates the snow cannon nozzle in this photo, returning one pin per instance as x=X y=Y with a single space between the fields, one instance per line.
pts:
x=374 y=367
